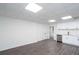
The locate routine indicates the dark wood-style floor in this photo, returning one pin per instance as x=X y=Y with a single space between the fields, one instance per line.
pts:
x=45 y=47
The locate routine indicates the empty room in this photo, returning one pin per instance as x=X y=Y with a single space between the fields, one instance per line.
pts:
x=39 y=28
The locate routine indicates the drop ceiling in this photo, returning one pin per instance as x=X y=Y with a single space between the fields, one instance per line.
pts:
x=49 y=11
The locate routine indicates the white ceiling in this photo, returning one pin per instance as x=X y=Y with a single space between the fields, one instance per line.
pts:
x=49 y=11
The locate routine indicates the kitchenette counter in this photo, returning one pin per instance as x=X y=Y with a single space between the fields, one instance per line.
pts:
x=69 y=39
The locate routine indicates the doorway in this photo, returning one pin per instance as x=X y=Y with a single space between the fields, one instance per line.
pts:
x=51 y=32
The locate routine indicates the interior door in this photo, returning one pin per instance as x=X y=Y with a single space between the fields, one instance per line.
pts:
x=51 y=32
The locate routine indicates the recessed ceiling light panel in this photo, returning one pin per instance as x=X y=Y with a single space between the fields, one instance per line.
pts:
x=66 y=17
x=52 y=21
x=33 y=7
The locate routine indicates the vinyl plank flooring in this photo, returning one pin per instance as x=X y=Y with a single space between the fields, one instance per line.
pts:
x=77 y=51
x=68 y=50
x=45 y=47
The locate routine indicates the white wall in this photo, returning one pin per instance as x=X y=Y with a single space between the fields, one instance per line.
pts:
x=64 y=28
x=14 y=32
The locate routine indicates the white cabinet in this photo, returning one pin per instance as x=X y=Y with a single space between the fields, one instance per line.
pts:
x=67 y=26
x=73 y=40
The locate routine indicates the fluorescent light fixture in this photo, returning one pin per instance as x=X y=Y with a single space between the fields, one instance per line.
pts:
x=33 y=7
x=66 y=17
x=52 y=21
